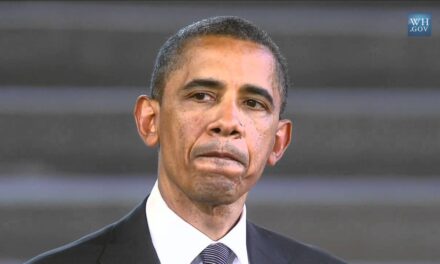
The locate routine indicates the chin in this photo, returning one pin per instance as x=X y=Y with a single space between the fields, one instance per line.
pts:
x=217 y=191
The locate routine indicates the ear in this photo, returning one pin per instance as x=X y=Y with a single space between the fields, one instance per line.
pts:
x=146 y=114
x=283 y=137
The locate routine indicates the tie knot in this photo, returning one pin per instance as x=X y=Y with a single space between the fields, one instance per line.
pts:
x=216 y=254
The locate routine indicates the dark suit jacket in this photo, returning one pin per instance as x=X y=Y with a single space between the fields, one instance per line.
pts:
x=128 y=241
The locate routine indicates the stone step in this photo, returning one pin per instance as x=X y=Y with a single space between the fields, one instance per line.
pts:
x=350 y=45
x=365 y=221
x=336 y=132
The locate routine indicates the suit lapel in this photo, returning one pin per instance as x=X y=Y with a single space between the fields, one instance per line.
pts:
x=259 y=250
x=130 y=240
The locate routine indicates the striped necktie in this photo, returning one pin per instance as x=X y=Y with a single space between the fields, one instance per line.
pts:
x=216 y=254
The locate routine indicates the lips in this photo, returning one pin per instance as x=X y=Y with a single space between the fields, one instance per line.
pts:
x=220 y=151
x=221 y=155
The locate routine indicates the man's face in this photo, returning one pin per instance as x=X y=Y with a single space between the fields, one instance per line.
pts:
x=218 y=121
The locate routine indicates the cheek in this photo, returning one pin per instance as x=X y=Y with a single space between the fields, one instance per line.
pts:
x=190 y=125
x=186 y=128
x=260 y=143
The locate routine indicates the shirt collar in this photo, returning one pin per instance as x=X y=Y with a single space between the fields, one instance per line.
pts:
x=170 y=233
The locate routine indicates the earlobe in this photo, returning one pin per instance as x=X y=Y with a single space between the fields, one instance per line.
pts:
x=283 y=137
x=146 y=115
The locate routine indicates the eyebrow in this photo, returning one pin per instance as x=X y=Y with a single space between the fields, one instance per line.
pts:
x=209 y=83
x=252 y=89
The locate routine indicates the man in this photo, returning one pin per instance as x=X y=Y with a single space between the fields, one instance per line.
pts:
x=218 y=91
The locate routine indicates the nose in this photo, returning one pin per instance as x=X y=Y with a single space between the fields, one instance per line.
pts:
x=227 y=121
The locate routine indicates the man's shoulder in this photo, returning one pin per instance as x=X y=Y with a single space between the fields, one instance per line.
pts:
x=84 y=250
x=275 y=245
x=124 y=241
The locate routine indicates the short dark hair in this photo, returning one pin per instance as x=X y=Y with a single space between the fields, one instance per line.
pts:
x=169 y=54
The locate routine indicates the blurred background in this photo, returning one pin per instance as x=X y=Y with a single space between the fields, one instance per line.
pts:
x=360 y=178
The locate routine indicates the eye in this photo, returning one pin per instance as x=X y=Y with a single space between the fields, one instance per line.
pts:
x=254 y=104
x=202 y=97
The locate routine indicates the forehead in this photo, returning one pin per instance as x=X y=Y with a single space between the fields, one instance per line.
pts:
x=249 y=60
x=225 y=45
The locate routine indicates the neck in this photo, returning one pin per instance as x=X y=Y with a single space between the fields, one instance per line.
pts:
x=214 y=220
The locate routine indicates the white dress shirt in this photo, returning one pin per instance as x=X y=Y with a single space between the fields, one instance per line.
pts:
x=178 y=242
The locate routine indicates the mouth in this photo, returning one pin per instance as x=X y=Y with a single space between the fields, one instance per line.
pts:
x=221 y=155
